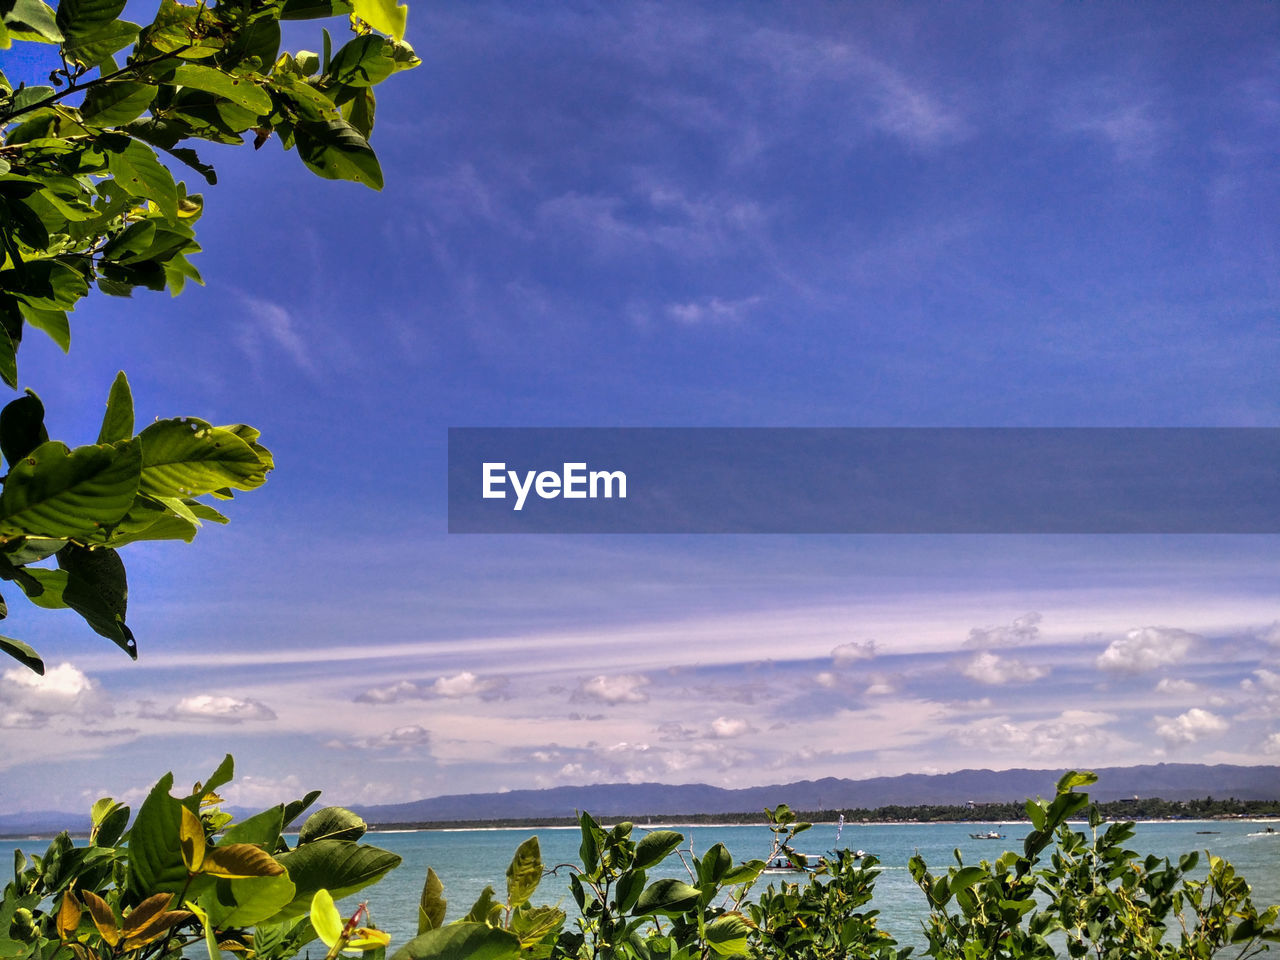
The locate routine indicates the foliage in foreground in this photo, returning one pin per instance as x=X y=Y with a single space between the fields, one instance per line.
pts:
x=86 y=201
x=184 y=875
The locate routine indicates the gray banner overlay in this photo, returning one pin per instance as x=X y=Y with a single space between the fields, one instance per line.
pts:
x=864 y=480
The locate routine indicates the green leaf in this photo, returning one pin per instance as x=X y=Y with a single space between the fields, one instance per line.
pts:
x=117 y=423
x=95 y=47
x=524 y=873
x=22 y=427
x=221 y=775
x=432 y=904
x=335 y=150
x=743 y=873
x=314 y=9
x=8 y=359
x=727 y=934
x=332 y=823
x=964 y=878
x=671 y=897
x=262 y=828
x=716 y=862
x=188 y=458
x=461 y=941
x=483 y=907
x=655 y=847
x=155 y=855
x=108 y=823
x=136 y=170
x=22 y=653
x=44 y=587
x=1072 y=779
x=32 y=20
x=294 y=808
x=385 y=16
x=76 y=17
x=362 y=62
x=338 y=866
x=52 y=322
x=98 y=590
x=210 y=937
x=55 y=492
x=116 y=102
x=240 y=90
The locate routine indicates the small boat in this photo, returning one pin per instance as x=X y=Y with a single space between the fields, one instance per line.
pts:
x=787 y=865
x=989 y=835
x=1269 y=832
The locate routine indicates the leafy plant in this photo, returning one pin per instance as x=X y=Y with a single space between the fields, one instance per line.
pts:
x=185 y=874
x=821 y=918
x=1093 y=896
x=86 y=201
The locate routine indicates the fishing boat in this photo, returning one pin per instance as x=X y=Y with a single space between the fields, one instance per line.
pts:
x=989 y=835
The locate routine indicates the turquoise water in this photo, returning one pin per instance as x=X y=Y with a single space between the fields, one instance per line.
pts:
x=468 y=860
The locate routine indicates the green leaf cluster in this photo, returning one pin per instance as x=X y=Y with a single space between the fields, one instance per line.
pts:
x=76 y=507
x=1085 y=889
x=184 y=875
x=89 y=199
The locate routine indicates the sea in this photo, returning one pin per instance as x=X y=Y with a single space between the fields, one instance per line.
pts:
x=469 y=860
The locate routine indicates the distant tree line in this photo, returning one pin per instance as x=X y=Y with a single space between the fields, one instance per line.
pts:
x=1146 y=808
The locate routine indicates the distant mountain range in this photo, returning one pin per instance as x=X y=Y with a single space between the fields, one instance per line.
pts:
x=1169 y=781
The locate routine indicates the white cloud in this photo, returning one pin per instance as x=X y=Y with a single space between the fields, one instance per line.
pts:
x=853 y=651
x=1195 y=724
x=1073 y=733
x=1146 y=648
x=621 y=688
x=1024 y=630
x=1272 y=743
x=725 y=728
x=464 y=684
x=30 y=700
x=827 y=679
x=467 y=684
x=1175 y=686
x=881 y=688
x=988 y=668
x=1271 y=634
x=219 y=709
x=1267 y=679
x=393 y=693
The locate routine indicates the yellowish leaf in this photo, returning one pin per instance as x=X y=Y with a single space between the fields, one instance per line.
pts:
x=69 y=913
x=325 y=918
x=192 y=840
x=158 y=927
x=103 y=918
x=235 y=860
x=385 y=16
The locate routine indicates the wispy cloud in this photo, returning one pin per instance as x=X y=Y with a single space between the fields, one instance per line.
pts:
x=271 y=326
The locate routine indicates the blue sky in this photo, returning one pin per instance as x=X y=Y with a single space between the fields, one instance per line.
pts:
x=697 y=215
